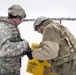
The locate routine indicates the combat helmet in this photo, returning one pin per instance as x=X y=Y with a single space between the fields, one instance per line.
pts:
x=16 y=10
x=38 y=21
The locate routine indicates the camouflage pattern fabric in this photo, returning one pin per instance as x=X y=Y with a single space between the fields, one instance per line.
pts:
x=12 y=48
x=14 y=73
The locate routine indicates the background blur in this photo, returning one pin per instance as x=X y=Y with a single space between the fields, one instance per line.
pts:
x=36 y=8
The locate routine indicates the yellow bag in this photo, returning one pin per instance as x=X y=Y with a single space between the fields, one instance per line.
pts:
x=37 y=67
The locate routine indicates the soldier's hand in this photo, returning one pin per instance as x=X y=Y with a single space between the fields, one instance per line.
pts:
x=29 y=54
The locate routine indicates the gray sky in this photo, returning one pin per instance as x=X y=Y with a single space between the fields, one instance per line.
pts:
x=49 y=8
x=36 y=8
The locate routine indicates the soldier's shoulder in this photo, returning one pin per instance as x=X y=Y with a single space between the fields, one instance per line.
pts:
x=4 y=27
x=53 y=25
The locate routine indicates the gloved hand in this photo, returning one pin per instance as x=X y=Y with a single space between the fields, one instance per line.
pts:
x=29 y=54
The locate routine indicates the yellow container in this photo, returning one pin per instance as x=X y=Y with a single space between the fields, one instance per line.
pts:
x=38 y=67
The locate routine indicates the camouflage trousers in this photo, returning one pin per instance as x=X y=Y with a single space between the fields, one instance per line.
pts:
x=68 y=68
x=14 y=73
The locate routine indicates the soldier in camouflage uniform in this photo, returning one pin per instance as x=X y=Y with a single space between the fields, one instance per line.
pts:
x=58 y=46
x=12 y=47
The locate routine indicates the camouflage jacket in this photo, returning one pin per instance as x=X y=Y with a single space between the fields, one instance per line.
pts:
x=11 y=47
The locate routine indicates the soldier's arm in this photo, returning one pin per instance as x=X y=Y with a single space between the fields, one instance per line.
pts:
x=8 y=48
x=50 y=46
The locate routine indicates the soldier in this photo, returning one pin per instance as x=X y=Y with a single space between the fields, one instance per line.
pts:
x=12 y=47
x=58 y=46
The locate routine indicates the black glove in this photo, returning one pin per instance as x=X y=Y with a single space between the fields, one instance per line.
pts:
x=29 y=54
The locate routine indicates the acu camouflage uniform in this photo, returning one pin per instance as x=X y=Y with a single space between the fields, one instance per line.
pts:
x=11 y=48
x=65 y=61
